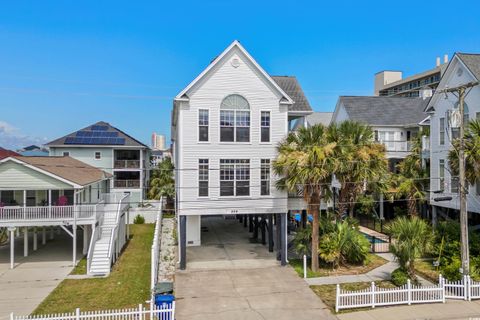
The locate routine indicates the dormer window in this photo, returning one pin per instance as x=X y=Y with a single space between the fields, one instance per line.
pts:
x=235 y=119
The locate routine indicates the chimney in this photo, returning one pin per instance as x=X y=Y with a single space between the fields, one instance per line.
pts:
x=438 y=62
x=445 y=58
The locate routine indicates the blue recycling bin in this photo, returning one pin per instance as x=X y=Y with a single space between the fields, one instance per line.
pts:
x=164 y=301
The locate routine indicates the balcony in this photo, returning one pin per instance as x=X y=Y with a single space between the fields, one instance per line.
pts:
x=132 y=184
x=126 y=164
x=397 y=146
x=48 y=215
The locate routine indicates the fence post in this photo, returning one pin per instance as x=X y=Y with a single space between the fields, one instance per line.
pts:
x=441 y=282
x=77 y=313
x=11 y=315
x=140 y=312
x=305 y=266
x=409 y=291
x=373 y=294
x=465 y=287
x=337 y=297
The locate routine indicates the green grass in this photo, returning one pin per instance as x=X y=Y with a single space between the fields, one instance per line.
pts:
x=373 y=261
x=328 y=292
x=81 y=267
x=426 y=270
x=127 y=285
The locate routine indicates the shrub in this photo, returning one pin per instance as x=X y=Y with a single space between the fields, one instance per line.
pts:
x=413 y=239
x=139 y=219
x=399 y=277
x=344 y=245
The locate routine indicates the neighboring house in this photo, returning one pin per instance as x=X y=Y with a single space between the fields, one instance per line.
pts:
x=33 y=151
x=103 y=146
x=390 y=83
x=394 y=120
x=158 y=156
x=462 y=69
x=7 y=153
x=324 y=118
x=226 y=125
x=41 y=192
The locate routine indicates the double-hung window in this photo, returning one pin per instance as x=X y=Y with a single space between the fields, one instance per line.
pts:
x=265 y=126
x=234 y=177
x=441 y=173
x=235 y=119
x=203 y=177
x=442 y=131
x=454 y=181
x=203 y=119
x=265 y=177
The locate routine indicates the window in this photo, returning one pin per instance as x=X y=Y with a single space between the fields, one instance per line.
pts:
x=387 y=138
x=235 y=119
x=442 y=131
x=203 y=125
x=203 y=177
x=66 y=154
x=98 y=155
x=265 y=126
x=265 y=177
x=454 y=181
x=234 y=177
x=441 y=174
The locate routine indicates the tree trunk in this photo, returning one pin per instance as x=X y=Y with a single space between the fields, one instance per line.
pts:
x=412 y=208
x=350 y=211
x=314 y=209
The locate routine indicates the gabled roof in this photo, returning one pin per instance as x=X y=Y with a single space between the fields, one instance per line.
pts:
x=384 y=111
x=472 y=62
x=291 y=86
x=235 y=44
x=122 y=139
x=4 y=153
x=66 y=169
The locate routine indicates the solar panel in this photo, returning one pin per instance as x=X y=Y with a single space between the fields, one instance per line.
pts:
x=99 y=128
x=95 y=140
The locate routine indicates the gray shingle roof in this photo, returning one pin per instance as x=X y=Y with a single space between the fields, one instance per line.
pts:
x=388 y=111
x=291 y=87
x=129 y=141
x=320 y=117
x=472 y=61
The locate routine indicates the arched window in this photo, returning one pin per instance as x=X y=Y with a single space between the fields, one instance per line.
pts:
x=235 y=119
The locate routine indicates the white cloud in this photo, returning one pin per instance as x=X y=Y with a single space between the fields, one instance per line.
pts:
x=12 y=138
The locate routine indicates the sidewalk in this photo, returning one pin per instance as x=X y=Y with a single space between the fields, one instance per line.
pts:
x=380 y=273
x=451 y=310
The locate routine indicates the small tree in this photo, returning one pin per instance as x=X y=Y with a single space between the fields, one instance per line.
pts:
x=413 y=238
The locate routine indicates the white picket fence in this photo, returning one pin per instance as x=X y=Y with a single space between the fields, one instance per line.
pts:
x=140 y=313
x=465 y=289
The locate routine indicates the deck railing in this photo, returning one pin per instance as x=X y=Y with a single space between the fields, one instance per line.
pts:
x=126 y=183
x=47 y=213
x=127 y=164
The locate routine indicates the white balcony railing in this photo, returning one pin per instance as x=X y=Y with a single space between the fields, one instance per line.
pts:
x=126 y=183
x=394 y=146
x=127 y=164
x=46 y=213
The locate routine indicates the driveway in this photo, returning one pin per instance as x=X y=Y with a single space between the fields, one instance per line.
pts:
x=34 y=277
x=275 y=293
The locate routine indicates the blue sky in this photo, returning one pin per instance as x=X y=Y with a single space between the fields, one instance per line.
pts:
x=67 y=64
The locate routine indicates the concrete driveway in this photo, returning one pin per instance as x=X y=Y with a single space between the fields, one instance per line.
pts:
x=228 y=277
x=34 y=277
x=275 y=293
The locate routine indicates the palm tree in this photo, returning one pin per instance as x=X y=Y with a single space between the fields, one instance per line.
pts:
x=305 y=164
x=413 y=238
x=161 y=181
x=360 y=159
x=472 y=153
x=412 y=180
